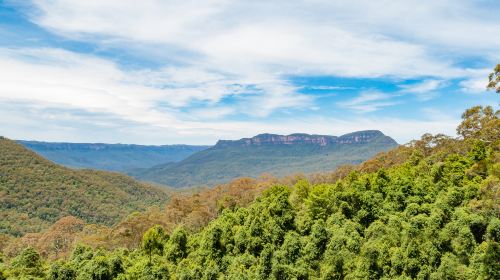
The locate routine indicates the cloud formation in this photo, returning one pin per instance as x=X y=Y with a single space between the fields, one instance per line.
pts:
x=225 y=68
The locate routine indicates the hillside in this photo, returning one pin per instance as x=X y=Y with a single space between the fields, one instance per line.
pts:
x=35 y=192
x=111 y=157
x=430 y=213
x=268 y=153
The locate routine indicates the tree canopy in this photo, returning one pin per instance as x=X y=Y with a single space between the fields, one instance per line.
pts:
x=35 y=193
x=427 y=210
x=494 y=79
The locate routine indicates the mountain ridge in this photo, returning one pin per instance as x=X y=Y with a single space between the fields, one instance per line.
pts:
x=268 y=153
x=304 y=138
x=110 y=157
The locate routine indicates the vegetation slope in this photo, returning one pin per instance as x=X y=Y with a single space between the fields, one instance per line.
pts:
x=429 y=210
x=34 y=192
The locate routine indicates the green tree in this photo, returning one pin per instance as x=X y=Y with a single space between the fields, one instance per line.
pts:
x=62 y=271
x=3 y=274
x=482 y=123
x=98 y=268
x=153 y=240
x=176 y=247
x=265 y=263
x=142 y=269
x=28 y=264
x=494 y=79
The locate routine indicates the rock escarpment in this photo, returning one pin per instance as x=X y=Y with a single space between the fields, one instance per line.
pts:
x=359 y=137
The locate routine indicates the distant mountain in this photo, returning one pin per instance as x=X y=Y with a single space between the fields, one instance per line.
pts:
x=34 y=192
x=268 y=153
x=111 y=157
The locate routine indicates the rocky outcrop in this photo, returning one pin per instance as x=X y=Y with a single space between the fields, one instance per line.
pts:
x=308 y=139
x=274 y=154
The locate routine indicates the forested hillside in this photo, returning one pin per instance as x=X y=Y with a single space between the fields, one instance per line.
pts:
x=278 y=155
x=34 y=192
x=427 y=210
x=111 y=157
x=192 y=210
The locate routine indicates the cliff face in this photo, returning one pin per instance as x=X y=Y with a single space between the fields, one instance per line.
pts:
x=359 y=137
x=278 y=155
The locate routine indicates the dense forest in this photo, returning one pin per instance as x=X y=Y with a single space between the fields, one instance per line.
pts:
x=425 y=210
x=34 y=193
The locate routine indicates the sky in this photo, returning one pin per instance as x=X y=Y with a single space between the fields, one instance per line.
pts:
x=193 y=72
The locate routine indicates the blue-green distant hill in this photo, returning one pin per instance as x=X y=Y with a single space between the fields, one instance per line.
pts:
x=268 y=153
x=111 y=157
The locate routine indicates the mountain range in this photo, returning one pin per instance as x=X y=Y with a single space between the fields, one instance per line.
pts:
x=188 y=165
x=278 y=155
x=111 y=157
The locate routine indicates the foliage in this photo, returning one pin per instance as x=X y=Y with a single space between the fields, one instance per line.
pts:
x=480 y=123
x=192 y=209
x=494 y=79
x=34 y=193
x=27 y=265
x=428 y=210
x=55 y=242
x=153 y=240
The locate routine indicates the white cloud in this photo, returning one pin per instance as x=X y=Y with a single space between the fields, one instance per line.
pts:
x=211 y=113
x=476 y=81
x=242 y=49
x=424 y=86
x=150 y=21
x=330 y=87
x=66 y=95
x=457 y=26
x=252 y=41
x=279 y=38
x=47 y=80
x=424 y=90
x=70 y=97
x=30 y=121
x=369 y=101
x=82 y=81
x=462 y=23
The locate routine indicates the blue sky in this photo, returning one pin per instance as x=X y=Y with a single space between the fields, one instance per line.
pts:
x=164 y=72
